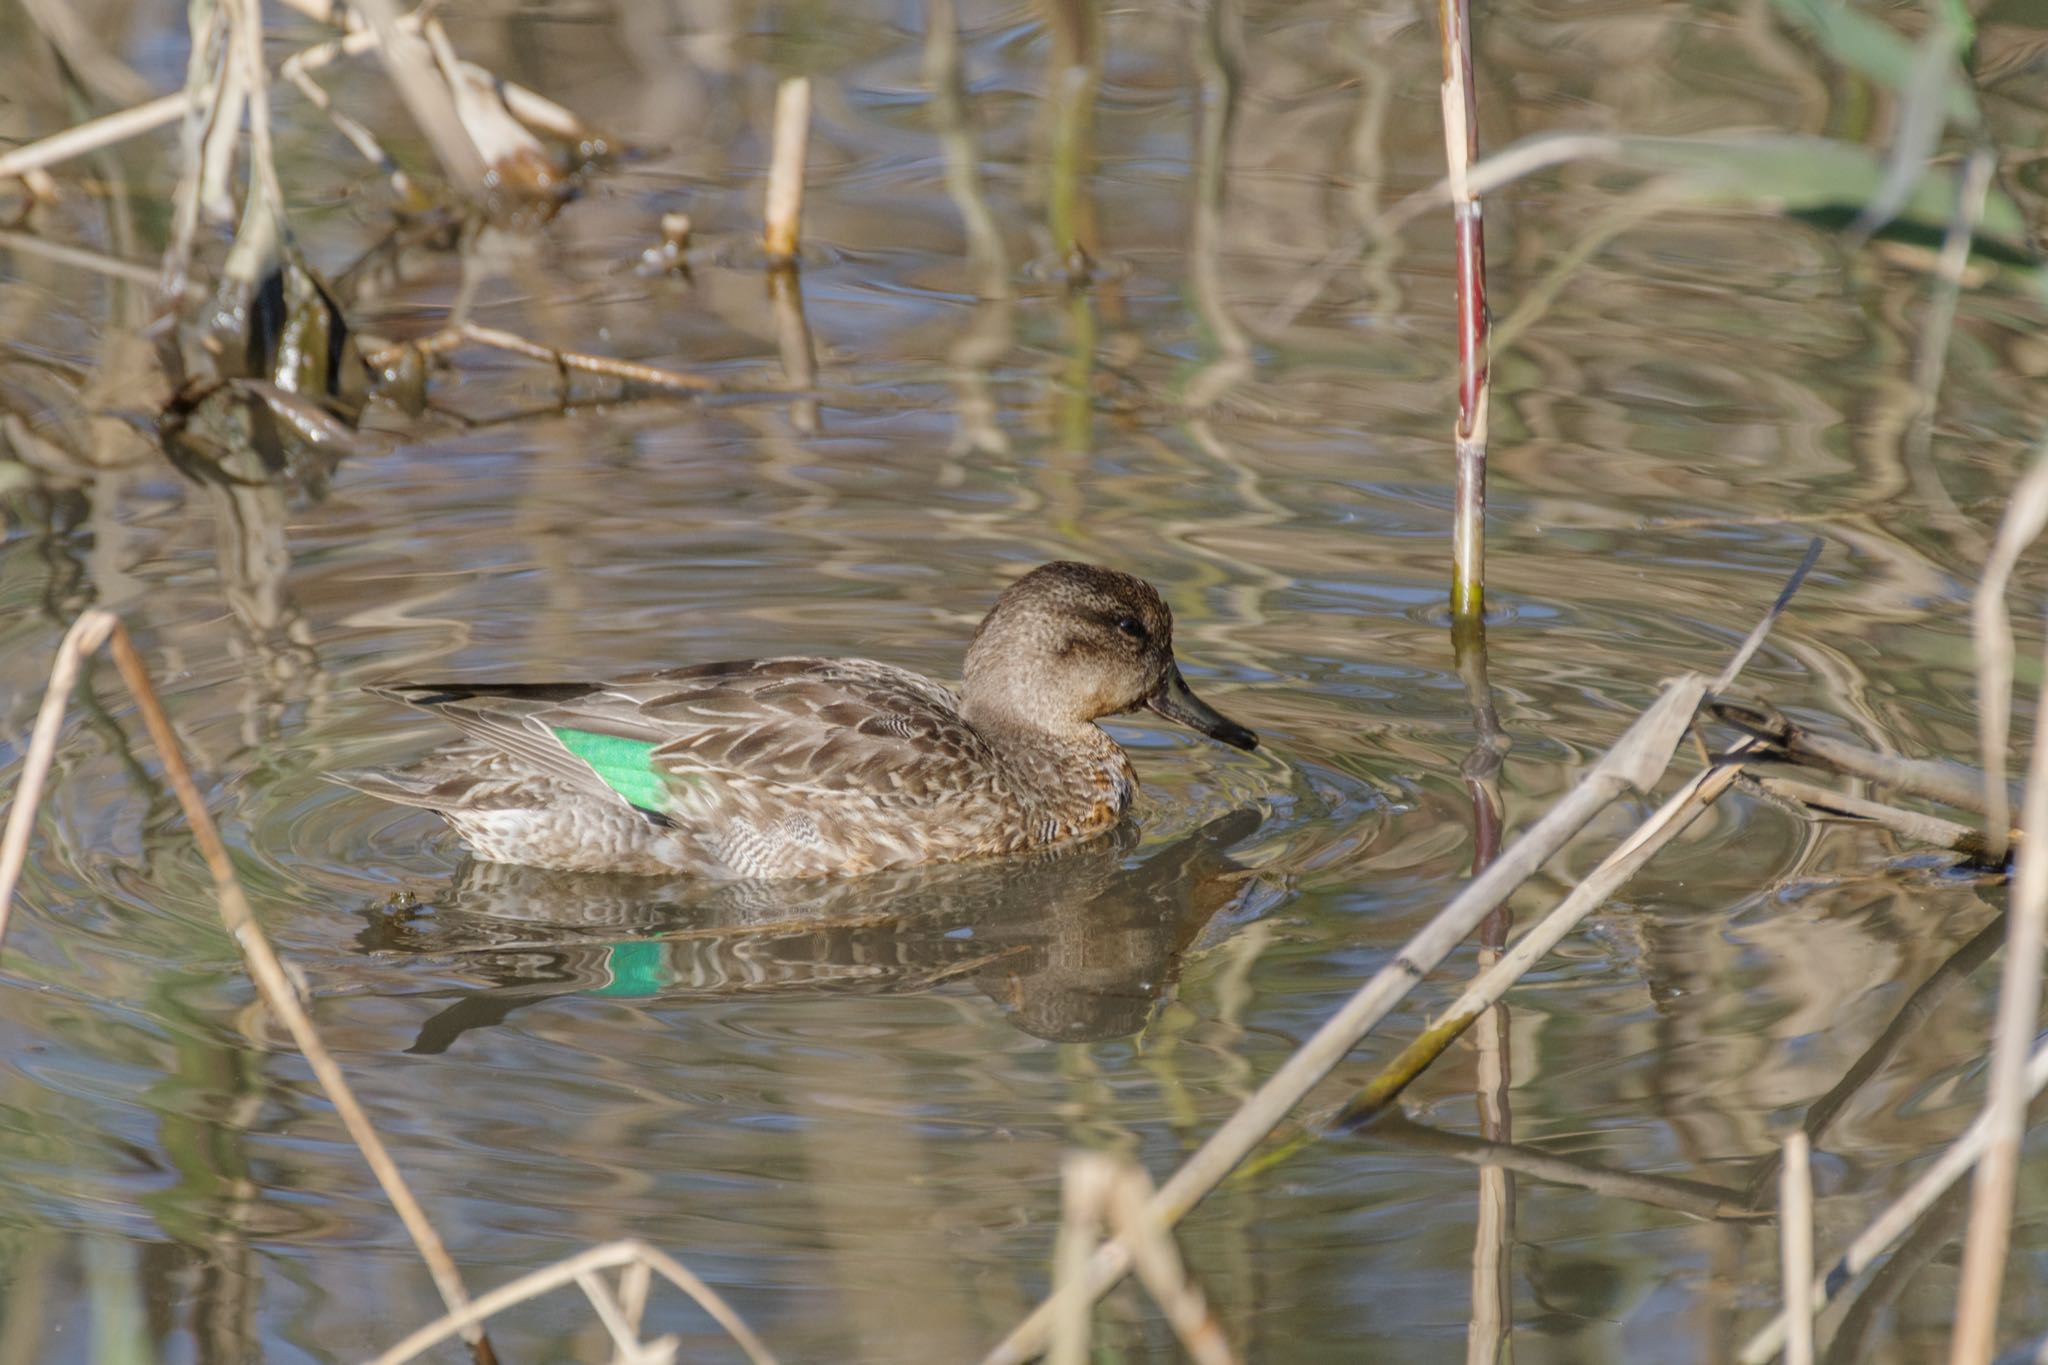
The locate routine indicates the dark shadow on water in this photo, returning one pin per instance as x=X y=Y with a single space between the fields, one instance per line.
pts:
x=1075 y=946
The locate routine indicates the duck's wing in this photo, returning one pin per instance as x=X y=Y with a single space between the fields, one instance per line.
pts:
x=819 y=726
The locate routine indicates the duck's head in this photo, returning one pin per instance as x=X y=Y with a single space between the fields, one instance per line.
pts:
x=1068 y=643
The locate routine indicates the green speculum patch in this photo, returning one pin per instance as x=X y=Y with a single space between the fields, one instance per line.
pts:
x=624 y=765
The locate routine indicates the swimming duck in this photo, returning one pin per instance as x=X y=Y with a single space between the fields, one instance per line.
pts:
x=806 y=767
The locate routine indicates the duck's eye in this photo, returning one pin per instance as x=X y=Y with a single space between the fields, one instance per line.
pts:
x=1132 y=627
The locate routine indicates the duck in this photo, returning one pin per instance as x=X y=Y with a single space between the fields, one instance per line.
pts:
x=789 y=767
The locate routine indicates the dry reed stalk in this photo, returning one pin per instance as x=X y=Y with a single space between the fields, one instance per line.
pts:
x=1951 y=784
x=784 y=215
x=409 y=61
x=361 y=138
x=2005 y=1107
x=1897 y=1218
x=273 y=983
x=1991 y=632
x=1099 y=1191
x=1637 y=760
x=86 y=635
x=1615 y=870
x=627 y=1253
x=1671 y=819
x=84 y=258
x=109 y=129
x=92 y=135
x=1795 y=1243
x=471 y=334
x=1461 y=149
x=1907 y=824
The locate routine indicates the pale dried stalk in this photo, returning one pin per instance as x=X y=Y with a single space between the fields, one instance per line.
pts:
x=627 y=1347
x=785 y=208
x=1671 y=819
x=87 y=634
x=621 y=1253
x=361 y=138
x=1795 y=1245
x=1951 y=784
x=84 y=258
x=109 y=129
x=1637 y=760
x=2005 y=1107
x=92 y=135
x=1100 y=1191
x=1907 y=824
x=1991 y=632
x=1897 y=1219
x=410 y=64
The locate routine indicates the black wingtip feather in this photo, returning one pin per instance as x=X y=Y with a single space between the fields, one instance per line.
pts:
x=427 y=696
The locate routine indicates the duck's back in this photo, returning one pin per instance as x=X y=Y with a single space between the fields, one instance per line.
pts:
x=762 y=768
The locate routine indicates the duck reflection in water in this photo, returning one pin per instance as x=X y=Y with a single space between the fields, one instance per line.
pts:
x=1076 y=944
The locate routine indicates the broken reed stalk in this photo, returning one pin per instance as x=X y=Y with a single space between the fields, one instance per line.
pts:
x=785 y=209
x=1461 y=148
x=637 y=1257
x=409 y=62
x=1673 y=818
x=1795 y=1245
x=1614 y=871
x=1637 y=760
x=2005 y=1106
x=88 y=633
x=1951 y=784
x=1965 y=840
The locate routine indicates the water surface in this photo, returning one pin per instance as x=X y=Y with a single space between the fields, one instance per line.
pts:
x=845 y=1105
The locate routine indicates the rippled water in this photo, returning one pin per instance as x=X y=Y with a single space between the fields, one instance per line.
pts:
x=845 y=1105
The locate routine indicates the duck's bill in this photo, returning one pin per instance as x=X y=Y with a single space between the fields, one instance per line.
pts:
x=1174 y=701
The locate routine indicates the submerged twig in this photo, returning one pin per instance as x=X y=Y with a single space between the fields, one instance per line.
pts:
x=471 y=334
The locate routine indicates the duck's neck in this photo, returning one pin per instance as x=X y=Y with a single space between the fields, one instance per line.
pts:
x=1074 y=775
